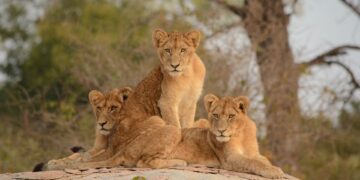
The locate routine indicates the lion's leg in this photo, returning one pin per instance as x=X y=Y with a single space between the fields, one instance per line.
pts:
x=58 y=164
x=157 y=147
x=74 y=159
x=169 y=110
x=187 y=114
x=100 y=145
x=116 y=160
x=252 y=165
x=158 y=163
x=263 y=159
x=100 y=155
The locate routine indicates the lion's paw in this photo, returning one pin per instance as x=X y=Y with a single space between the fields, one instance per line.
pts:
x=55 y=164
x=273 y=173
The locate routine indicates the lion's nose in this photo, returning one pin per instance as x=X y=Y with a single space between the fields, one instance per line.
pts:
x=102 y=124
x=221 y=130
x=175 y=66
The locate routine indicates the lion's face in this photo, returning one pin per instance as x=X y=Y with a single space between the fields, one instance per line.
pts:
x=107 y=107
x=175 y=49
x=226 y=115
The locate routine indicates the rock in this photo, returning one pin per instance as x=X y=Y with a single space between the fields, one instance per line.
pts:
x=197 y=172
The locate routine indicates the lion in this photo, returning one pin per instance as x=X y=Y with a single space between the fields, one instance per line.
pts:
x=170 y=91
x=183 y=76
x=103 y=128
x=229 y=142
x=129 y=141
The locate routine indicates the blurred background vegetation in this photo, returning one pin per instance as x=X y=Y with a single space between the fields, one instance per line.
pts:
x=54 y=52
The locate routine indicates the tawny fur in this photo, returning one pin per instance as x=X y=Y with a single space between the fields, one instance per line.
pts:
x=130 y=141
x=183 y=76
x=151 y=143
x=235 y=148
x=162 y=93
x=114 y=103
x=101 y=136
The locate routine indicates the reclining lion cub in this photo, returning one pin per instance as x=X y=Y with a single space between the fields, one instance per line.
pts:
x=229 y=142
x=129 y=141
x=104 y=125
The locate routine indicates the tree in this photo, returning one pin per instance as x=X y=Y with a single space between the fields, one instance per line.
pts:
x=266 y=25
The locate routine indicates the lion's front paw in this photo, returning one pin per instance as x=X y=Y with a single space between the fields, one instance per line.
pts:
x=180 y=163
x=272 y=172
x=86 y=156
x=55 y=165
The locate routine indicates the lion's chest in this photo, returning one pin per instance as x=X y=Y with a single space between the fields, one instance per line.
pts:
x=183 y=90
x=236 y=146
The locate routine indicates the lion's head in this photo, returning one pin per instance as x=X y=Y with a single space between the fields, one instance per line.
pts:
x=175 y=49
x=226 y=115
x=107 y=107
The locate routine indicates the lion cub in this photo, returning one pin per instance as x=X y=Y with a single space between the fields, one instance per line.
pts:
x=229 y=142
x=104 y=126
x=183 y=76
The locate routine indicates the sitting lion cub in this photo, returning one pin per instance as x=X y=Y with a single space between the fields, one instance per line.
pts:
x=229 y=142
x=183 y=76
x=131 y=142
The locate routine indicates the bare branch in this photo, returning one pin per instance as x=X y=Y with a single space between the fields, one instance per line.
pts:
x=320 y=59
x=352 y=6
x=341 y=50
x=236 y=10
x=348 y=70
x=222 y=30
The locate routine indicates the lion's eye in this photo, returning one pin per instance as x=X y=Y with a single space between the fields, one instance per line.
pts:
x=183 y=49
x=113 y=108
x=98 y=108
x=168 y=50
x=231 y=116
x=216 y=115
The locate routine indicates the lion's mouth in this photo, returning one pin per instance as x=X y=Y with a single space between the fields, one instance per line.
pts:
x=223 y=135
x=175 y=70
x=103 y=129
x=222 y=138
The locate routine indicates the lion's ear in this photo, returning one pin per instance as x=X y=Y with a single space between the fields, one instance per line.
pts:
x=125 y=93
x=95 y=96
x=209 y=99
x=194 y=36
x=243 y=103
x=158 y=36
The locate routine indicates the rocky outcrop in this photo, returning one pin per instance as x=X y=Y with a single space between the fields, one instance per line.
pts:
x=197 y=172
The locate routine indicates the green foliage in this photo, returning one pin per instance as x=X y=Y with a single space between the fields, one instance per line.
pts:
x=332 y=152
x=23 y=147
x=83 y=45
x=139 y=178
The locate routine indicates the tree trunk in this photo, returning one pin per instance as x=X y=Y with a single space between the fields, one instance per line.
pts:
x=266 y=24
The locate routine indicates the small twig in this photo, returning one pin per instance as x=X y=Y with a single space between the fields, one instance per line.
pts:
x=224 y=29
x=236 y=10
x=320 y=59
x=352 y=6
